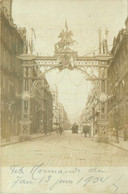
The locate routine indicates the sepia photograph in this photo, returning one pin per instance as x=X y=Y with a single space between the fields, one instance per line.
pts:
x=64 y=96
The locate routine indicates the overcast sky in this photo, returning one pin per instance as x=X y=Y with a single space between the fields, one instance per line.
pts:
x=84 y=18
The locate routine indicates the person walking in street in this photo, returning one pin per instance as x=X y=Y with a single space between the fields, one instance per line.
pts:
x=125 y=134
x=86 y=129
x=60 y=130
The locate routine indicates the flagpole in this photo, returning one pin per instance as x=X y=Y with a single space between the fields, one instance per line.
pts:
x=127 y=8
x=66 y=25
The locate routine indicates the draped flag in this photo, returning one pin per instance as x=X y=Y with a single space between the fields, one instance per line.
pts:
x=66 y=25
x=31 y=46
x=33 y=32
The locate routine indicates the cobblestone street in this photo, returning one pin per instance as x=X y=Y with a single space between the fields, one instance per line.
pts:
x=66 y=150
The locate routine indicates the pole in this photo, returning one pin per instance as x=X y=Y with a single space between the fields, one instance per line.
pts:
x=117 y=121
x=100 y=41
x=127 y=8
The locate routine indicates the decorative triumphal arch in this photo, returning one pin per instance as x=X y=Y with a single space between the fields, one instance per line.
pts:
x=35 y=67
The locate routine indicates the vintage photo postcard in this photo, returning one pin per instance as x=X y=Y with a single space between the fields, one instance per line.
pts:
x=64 y=96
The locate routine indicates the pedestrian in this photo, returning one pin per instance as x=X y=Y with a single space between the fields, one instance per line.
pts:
x=57 y=129
x=125 y=134
x=89 y=132
x=60 y=130
x=114 y=131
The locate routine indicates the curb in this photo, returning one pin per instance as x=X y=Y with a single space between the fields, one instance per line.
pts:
x=10 y=143
x=118 y=146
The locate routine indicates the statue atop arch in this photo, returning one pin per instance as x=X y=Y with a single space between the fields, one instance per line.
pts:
x=65 y=40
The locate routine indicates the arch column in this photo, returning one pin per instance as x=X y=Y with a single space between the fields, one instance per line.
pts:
x=103 y=121
x=25 y=122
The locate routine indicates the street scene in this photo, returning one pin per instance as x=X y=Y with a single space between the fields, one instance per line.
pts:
x=64 y=83
x=64 y=150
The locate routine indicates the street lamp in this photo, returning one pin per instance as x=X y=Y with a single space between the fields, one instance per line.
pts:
x=117 y=122
x=117 y=116
x=103 y=97
x=11 y=113
x=102 y=118
x=114 y=96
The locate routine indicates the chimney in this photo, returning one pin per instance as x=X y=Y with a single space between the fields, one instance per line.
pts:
x=8 y=5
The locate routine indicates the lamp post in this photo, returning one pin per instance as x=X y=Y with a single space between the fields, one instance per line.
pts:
x=103 y=122
x=25 y=121
x=9 y=123
x=116 y=113
x=11 y=114
x=117 y=122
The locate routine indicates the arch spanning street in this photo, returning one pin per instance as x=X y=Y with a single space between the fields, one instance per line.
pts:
x=94 y=69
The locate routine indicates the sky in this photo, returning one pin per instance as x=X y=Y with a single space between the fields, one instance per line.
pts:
x=84 y=18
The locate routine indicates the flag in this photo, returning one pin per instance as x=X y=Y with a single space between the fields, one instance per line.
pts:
x=26 y=46
x=66 y=25
x=31 y=46
x=33 y=32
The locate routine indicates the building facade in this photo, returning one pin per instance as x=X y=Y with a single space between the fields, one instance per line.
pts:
x=59 y=114
x=116 y=90
x=91 y=111
x=63 y=118
x=12 y=41
x=55 y=108
x=118 y=85
x=41 y=108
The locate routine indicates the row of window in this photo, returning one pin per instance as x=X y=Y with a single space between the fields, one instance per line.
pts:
x=10 y=86
x=11 y=39
x=123 y=112
x=10 y=61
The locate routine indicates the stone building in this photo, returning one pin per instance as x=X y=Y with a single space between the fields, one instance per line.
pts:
x=48 y=110
x=12 y=41
x=116 y=90
x=91 y=111
x=13 y=44
x=41 y=108
x=54 y=92
x=63 y=118
x=59 y=115
x=118 y=85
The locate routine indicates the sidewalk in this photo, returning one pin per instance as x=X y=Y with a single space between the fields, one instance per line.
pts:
x=15 y=139
x=112 y=139
x=122 y=144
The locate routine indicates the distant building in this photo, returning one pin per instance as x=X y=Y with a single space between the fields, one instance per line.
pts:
x=63 y=118
x=91 y=111
x=54 y=92
x=59 y=115
x=118 y=84
x=12 y=44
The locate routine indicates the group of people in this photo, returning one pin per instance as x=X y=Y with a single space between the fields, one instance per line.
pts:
x=59 y=130
x=86 y=129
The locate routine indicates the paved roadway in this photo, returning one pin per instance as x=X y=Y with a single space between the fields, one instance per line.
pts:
x=66 y=150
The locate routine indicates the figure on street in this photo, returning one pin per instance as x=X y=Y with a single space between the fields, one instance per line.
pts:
x=60 y=130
